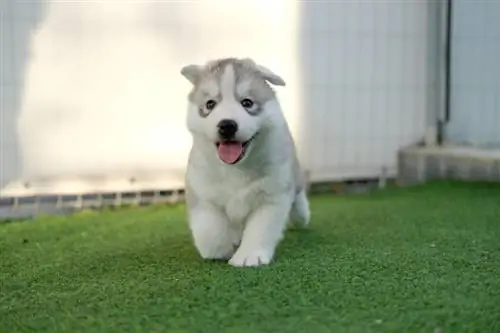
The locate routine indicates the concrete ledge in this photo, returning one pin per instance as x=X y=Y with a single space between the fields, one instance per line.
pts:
x=420 y=164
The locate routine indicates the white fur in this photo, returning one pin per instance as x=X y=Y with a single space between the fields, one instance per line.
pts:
x=239 y=212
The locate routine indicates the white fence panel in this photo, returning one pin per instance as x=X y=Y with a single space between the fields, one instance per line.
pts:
x=98 y=104
x=366 y=81
x=475 y=86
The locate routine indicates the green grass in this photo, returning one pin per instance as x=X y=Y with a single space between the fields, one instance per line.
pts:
x=407 y=260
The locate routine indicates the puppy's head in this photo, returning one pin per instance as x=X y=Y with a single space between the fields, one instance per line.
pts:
x=231 y=104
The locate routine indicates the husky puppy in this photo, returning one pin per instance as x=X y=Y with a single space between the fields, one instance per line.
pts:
x=243 y=179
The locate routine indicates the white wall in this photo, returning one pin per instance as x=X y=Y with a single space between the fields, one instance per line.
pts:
x=101 y=99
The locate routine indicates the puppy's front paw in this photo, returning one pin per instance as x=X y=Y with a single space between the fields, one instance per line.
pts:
x=216 y=244
x=251 y=258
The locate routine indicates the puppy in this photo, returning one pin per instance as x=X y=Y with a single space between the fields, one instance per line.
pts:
x=243 y=180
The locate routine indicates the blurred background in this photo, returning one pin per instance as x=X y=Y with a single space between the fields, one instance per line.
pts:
x=93 y=103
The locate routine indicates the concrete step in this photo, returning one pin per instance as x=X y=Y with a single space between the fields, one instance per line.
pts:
x=420 y=164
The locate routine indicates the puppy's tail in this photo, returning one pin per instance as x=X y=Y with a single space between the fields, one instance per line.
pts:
x=300 y=214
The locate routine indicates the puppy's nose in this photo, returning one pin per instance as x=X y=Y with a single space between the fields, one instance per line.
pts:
x=227 y=128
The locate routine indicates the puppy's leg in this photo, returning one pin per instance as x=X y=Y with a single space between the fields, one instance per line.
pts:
x=213 y=236
x=300 y=213
x=263 y=232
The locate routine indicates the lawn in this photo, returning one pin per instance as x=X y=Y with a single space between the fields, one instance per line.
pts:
x=422 y=259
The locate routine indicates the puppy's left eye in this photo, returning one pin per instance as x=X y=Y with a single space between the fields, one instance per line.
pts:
x=247 y=103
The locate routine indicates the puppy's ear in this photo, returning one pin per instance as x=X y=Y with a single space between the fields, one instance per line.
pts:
x=192 y=72
x=266 y=73
x=270 y=76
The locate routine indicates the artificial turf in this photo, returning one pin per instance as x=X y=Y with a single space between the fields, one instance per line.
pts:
x=421 y=259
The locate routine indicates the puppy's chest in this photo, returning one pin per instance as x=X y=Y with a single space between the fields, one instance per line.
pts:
x=228 y=186
x=236 y=193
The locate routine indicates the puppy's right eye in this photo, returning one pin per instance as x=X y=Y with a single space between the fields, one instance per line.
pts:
x=210 y=104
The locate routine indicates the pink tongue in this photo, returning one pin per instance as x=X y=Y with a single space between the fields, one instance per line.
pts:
x=229 y=152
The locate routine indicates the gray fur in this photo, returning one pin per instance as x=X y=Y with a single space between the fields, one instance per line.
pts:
x=207 y=82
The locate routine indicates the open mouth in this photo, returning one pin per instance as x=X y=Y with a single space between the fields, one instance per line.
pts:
x=231 y=152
